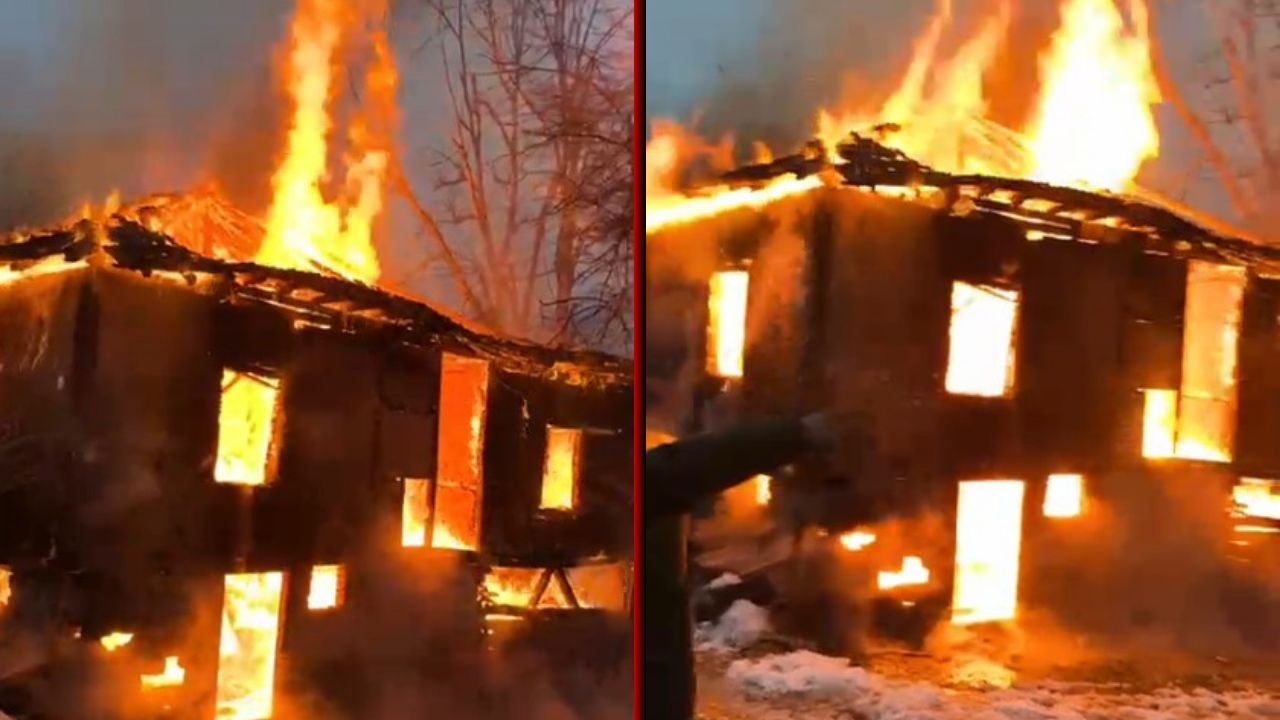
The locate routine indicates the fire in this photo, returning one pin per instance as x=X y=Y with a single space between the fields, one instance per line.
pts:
x=116 y=640
x=938 y=112
x=414 y=512
x=981 y=356
x=727 y=323
x=6 y=586
x=988 y=545
x=1210 y=347
x=511 y=586
x=676 y=209
x=1095 y=60
x=1258 y=498
x=764 y=490
x=913 y=572
x=246 y=425
x=855 y=540
x=464 y=393
x=1159 y=422
x=304 y=229
x=560 y=468
x=172 y=675
x=1064 y=496
x=326 y=589
x=247 y=652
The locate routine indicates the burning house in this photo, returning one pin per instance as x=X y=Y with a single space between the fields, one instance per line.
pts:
x=1021 y=349
x=208 y=463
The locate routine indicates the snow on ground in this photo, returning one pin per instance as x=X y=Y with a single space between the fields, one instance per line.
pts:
x=740 y=626
x=737 y=684
x=804 y=684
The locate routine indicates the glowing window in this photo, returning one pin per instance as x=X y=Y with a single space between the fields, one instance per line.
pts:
x=988 y=545
x=250 y=640
x=1159 y=422
x=1197 y=422
x=1210 y=347
x=980 y=359
x=727 y=323
x=560 y=469
x=415 y=512
x=246 y=426
x=464 y=393
x=328 y=585
x=1064 y=496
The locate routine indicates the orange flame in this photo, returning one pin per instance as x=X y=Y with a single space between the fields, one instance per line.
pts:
x=1096 y=61
x=857 y=539
x=1159 y=422
x=116 y=640
x=414 y=512
x=172 y=675
x=1258 y=498
x=937 y=113
x=913 y=572
x=464 y=397
x=247 y=652
x=988 y=544
x=304 y=230
x=764 y=489
x=6 y=586
x=1064 y=496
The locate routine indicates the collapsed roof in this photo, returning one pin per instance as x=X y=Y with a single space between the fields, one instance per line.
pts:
x=1156 y=224
x=203 y=240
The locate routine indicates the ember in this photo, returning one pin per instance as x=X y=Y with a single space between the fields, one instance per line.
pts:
x=247 y=652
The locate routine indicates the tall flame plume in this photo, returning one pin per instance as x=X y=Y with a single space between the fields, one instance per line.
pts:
x=305 y=230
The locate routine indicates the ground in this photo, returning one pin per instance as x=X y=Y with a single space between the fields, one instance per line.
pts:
x=746 y=673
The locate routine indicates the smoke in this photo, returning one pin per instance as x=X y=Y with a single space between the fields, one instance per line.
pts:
x=139 y=95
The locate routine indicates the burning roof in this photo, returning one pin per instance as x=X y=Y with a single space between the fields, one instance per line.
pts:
x=201 y=240
x=1042 y=209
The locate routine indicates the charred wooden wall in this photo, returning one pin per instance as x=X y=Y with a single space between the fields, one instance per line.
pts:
x=516 y=529
x=39 y=321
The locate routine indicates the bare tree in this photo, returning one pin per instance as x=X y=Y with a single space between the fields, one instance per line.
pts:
x=519 y=204
x=1230 y=112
